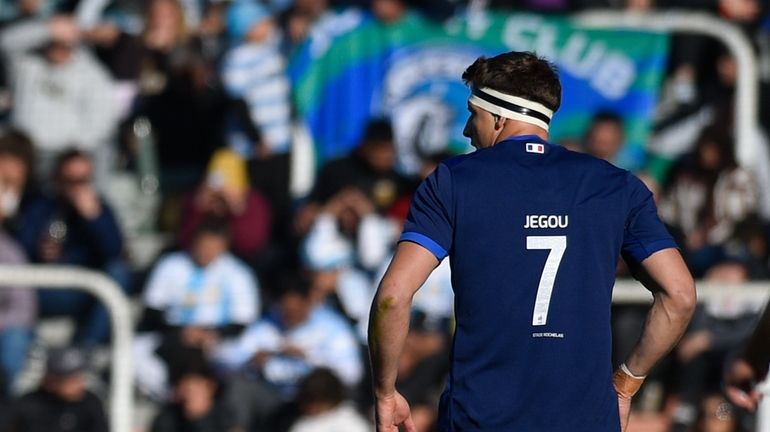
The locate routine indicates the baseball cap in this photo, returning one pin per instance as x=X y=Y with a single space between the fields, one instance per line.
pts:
x=66 y=361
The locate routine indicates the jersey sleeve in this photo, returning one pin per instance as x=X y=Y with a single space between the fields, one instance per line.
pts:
x=429 y=222
x=644 y=233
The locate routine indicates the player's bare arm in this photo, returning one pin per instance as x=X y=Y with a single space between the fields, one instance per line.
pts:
x=388 y=327
x=665 y=274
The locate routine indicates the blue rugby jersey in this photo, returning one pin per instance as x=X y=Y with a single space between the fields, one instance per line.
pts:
x=533 y=233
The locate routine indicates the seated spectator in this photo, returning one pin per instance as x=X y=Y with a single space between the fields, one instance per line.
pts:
x=283 y=347
x=75 y=226
x=226 y=195
x=18 y=306
x=323 y=407
x=707 y=197
x=370 y=169
x=62 y=403
x=196 y=404
x=193 y=299
x=63 y=97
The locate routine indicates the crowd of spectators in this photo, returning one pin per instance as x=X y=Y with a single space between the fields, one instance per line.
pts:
x=254 y=316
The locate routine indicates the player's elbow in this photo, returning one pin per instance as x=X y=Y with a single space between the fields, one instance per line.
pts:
x=683 y=298
x=391 y=295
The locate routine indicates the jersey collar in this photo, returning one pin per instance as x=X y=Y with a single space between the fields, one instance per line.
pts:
x=528 y=138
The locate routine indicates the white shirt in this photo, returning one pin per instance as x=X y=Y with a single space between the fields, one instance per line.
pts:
x=325 y=338
x=342 y=418
x=222 y=293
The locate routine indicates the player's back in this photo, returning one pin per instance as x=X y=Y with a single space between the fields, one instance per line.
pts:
x=536 y=231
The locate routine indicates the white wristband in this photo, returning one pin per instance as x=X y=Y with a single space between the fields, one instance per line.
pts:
x=624 y=368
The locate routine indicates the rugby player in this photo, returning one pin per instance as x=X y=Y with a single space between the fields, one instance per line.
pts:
x=533 y=233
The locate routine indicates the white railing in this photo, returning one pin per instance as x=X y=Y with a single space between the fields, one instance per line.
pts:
x=747 y=85
x=104 y=289
x=631 y=291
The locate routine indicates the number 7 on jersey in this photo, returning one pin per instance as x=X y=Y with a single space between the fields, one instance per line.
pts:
x=557 y=245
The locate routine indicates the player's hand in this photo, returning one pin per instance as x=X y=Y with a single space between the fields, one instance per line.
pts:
x=392 y=411
x=626 y=385
x=624 y=409
x=739 y=385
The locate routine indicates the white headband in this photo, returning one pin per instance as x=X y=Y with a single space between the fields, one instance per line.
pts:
x=511 y=107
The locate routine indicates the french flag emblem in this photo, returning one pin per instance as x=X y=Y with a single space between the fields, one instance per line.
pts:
x=535 y=148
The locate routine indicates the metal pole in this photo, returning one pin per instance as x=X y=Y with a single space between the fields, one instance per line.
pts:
x=747 y=85
x=103 y=288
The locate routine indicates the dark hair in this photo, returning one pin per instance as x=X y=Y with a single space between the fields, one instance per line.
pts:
x=518 y=73
x=378 y=131
x=65 y=157
x=212 y=226
x=294 y=282
x=606 y=117
x=190 y=361
x=321 y=385
x=16 y=144
x=723 y=142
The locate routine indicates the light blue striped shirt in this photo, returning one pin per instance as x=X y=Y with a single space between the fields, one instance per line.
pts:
x=256 y=73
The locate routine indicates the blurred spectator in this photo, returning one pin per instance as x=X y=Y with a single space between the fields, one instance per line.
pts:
x=193 y=299
x=370 y=169
x=63 y=97
x=684 y=112
x=605 y=138
x=748 y=366
x=717 y=328
x=707 y=197
x=197 y=404
x=300 y=19
x=62 y=403
x=350 y=217
x=227 y=196
x=335 y=280
x=18 y=306
x=178 y=91
x=323 y=406
x=144 y=59
x=254 y=75
x=75 y=226
x=284 y=346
